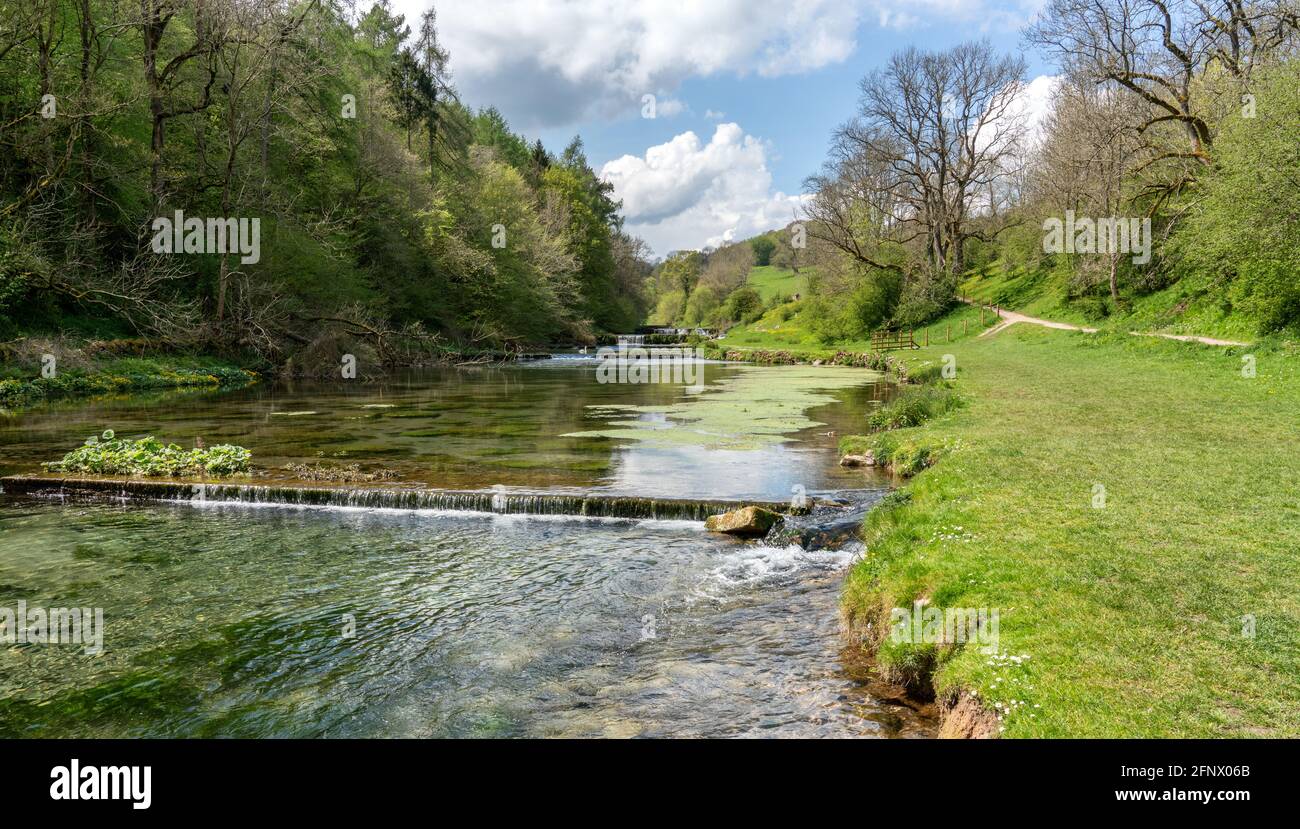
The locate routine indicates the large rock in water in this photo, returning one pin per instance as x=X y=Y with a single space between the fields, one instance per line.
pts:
x=746 y=521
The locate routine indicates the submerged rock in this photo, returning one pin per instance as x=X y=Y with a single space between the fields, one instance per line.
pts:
x=822 y=532
x=746 y=521
x=867 y=459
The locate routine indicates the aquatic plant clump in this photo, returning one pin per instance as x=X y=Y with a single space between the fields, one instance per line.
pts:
x=913 y=406
x=110 y=455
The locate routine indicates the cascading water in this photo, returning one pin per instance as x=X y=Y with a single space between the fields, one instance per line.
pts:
x=498 y=500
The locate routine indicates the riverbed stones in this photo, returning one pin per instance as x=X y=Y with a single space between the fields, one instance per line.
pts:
x=867 y=459
x=746 y=522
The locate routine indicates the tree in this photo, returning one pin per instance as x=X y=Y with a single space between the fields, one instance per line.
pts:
x=787 y=255
x=435 y=97
x=763 y=247
x=491 y=130
x=594 y=220
x=253 y=39
x=163 y=82
x=743 y=303
x=936 y=138
x=1087 y=156
x=290 y=113
x=1243 y=229
x=408 y=88
x=1162 y=52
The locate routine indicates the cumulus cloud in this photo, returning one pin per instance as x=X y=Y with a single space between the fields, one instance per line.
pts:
x=670 y=107
x=553 y=63
x=549 y=63
x=1034 y=104
x=688 y=193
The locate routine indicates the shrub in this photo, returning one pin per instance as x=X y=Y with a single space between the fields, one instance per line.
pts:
x=109 y=455
x=911 y=455
x=744 y=304
x=925 y=373
x=913 y=406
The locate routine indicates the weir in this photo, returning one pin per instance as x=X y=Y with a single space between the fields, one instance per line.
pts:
x=501 y=501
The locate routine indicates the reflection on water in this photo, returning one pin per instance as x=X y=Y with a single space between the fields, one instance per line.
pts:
x=514 y=425
x=226 y=620
x=229 y=621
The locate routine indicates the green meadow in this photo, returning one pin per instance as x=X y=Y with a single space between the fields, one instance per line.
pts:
x=1129 y=506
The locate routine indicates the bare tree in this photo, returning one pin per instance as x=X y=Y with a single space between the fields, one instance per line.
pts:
x=935 y=135
x=1160 y=52
x=1087 y=155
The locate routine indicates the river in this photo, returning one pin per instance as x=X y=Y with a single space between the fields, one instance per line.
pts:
x=274 y=620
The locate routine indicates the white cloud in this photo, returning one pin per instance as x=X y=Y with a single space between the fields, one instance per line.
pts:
x=1035 y=104
x=686 y=193
x=552 y=63
x=714 y=115
x=983 y=15
x=670 y=108
x=556 y=62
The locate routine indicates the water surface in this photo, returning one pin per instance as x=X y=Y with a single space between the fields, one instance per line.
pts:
x=547 y=424
x=230 y=620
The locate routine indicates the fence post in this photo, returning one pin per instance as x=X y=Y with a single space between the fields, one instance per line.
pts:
x=927 y=338
x=947 y=333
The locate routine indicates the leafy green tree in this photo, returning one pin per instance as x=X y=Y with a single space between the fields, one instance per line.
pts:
x=378 y=192
x=1244 y=228
x=743 y=304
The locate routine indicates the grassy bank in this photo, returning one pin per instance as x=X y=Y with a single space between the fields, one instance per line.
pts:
x=21 y=384
x=797 y=335
x=1193 y=305
x=771 y=281
x=1128 y=505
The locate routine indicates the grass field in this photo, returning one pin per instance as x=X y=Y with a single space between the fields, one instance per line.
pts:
x=795 y=335
x=770 y=281
x=1189 y=306
x=1129 y=506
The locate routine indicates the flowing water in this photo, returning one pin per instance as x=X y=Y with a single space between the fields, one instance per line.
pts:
x=226 y=619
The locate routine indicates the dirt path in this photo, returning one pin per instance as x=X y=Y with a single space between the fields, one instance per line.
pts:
x=1010 y=318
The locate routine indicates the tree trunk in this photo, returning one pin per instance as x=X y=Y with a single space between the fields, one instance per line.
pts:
x=1114 y=287
x=152 y=26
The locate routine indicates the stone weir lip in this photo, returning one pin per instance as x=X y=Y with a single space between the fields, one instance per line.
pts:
x=502 y=501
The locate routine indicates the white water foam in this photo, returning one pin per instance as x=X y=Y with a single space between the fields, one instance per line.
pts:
x=757 y=564
x=648 y=523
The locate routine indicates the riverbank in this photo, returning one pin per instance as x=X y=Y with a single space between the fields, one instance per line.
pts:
x=98 y=368
x=1127 y=506
x=25 y=385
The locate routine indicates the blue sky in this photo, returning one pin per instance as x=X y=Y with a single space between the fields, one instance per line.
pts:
x=747 y=91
